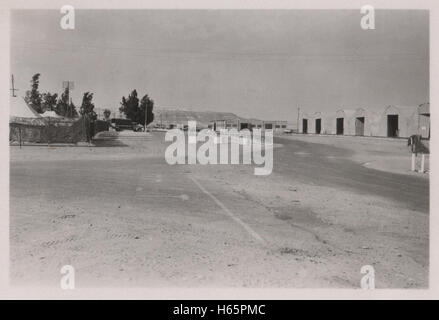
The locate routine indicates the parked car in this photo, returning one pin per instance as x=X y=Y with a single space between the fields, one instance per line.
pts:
x=125 y=124
x=138 y=127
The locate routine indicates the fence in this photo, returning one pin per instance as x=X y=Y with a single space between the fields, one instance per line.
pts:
x=50 y=130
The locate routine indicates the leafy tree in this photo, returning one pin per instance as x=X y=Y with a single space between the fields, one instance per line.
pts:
x=130 y=106
x=64 y=107
x=33 y=97
x=88 y=106
x=107 y=113
x=136 y=112
x=72 y=112
x=49 y=101
x=147 y=104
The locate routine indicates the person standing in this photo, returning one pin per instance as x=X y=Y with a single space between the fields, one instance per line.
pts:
x=416 y=146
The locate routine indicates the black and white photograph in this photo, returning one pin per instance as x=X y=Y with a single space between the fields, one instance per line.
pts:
x=219 y=148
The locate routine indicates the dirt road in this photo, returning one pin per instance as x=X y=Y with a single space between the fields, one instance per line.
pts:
x=332 y=166
x=123 y=217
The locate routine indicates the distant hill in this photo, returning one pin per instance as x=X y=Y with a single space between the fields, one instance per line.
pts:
x=167 y=115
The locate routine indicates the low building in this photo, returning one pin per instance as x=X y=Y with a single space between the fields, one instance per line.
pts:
x=281 y=125
x=345 y=122
x=175 y=117
x=317 y=123
x=304 y=122
x=398 y=121
x=424 y=120
x=276 y=125
x=240 y=124
x=391 y=121
x=220 y=124
x=256 y=123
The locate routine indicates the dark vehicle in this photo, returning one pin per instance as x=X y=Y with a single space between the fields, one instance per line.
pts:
x=138 y=127
x=125 y=124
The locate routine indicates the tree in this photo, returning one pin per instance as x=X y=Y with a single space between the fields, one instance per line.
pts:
x=130 y=106
x=33 y=97
x=88 y=106
x=147 y=104
x=88 y=115
x=49 y=101
x=107 y=113
x=64 y=107
x=72 y=112
x=136 y=112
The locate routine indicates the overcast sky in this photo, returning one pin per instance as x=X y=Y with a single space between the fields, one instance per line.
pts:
x=261 y=64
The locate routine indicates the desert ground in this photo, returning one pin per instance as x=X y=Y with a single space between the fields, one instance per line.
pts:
x=121 y=216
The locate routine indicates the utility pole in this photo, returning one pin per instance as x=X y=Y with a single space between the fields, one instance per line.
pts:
x=298 y=112
x=13 y=87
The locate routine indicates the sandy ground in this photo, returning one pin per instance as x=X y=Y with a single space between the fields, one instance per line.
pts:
x=391 y=155
x=123 y=217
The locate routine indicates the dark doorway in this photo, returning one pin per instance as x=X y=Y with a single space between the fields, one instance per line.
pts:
x=318 y=126
x=243 y=125
x=392 y=125
x=304 y=125
x=340 y=126
x=359 y=126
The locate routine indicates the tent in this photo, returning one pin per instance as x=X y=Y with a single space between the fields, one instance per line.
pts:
x=24 y=122
x=50 y=114
x=20 y=109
